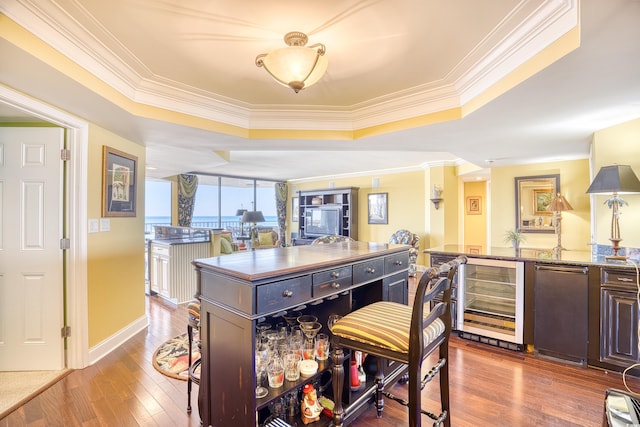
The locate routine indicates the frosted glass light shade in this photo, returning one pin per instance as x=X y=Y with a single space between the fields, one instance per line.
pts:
x=296 y=66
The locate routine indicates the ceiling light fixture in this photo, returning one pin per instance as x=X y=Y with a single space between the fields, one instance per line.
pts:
x=297 y=66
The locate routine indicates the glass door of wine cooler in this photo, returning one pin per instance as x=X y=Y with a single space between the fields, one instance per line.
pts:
x=491 y=299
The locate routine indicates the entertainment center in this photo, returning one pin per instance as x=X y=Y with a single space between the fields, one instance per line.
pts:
x=325 y=212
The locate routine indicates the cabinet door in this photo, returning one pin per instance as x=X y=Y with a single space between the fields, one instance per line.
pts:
x=396 y=288
x=619 y=343
x=163 y=279
x=154 y=273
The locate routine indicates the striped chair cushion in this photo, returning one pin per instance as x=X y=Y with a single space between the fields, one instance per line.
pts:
x=193 y=308
x=384 y=324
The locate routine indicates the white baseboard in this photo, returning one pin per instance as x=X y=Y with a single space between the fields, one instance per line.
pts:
x=116 y=340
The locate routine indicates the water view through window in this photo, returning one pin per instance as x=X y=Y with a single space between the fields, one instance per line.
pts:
x=218 y=200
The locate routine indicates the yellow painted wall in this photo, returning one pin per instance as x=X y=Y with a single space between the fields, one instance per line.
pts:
x=574 y=181
x=618 y=145
x=406 y=198
x=443 y=222
x=115 y=259
x=475 y=224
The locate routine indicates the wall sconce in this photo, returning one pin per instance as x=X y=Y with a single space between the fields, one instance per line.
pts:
x=436 y=196
x=615 y=179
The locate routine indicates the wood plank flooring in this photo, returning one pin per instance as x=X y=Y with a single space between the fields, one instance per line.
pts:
x=489 y=387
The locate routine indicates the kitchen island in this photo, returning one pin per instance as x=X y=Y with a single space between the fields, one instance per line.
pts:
x=240 y=290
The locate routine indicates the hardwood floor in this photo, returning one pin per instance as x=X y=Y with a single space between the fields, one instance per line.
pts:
x=489 y=387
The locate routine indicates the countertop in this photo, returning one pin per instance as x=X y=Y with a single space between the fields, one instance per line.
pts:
x=183 y=241
x=266 y=263
x=566 y=257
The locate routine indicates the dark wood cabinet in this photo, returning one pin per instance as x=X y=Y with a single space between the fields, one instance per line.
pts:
x=318 y=209
x=238 y=291
x=396 y=288
x=561 y=302
x=619 y=318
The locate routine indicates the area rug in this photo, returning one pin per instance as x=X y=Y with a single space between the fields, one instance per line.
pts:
x=172 y=357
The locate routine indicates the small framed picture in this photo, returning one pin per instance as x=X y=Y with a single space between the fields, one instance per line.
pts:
x=474 y=250
x=294 y=209
x=118 y=183
x=474 y=205
x=542 y=198
x=378 y=208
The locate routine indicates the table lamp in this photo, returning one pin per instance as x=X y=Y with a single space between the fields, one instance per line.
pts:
x=253 y=217
x=240 y=212
x=616 y=179
x=557 y=205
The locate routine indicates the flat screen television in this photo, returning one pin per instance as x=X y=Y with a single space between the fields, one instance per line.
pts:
x=322 y=221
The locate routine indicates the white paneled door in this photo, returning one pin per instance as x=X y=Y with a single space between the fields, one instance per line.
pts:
x=31 y=261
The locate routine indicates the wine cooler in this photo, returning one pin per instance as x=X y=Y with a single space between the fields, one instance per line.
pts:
x=491 y=300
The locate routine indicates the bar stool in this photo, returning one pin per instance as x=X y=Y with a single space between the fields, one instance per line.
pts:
x=404 y=334
x=193 y=308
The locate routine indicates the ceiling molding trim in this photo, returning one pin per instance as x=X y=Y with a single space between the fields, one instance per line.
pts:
x=535 y=28
x=534 y=32
x=53 y=25
x=415 y=168
x=405 y=169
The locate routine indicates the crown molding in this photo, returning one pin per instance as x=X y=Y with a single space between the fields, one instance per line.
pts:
x=415 y=168
x=527 y=31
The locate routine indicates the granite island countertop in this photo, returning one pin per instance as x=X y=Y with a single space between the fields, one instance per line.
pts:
x=565 y=257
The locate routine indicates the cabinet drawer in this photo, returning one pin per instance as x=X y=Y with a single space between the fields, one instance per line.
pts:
x=332 y=286
x=160 y=250
x=279 y=295
x=395 y=263
x=368 y=271
x=618 y=277
x=331 y=275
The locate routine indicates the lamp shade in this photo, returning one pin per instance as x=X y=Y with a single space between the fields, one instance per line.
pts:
x=296 y=66
x=240 y=212
x=253 y=216
x=615 y=179
x=559 y=204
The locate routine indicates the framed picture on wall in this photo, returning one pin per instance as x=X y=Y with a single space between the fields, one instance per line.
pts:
x=474 y=205
x=119 y=176
x=541 y=200
x=378 y=208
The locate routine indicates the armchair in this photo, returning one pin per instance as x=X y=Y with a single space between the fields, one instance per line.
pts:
x=406 y=237
x=266 y=239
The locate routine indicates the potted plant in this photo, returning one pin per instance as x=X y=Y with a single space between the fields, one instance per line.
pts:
x=514 y=237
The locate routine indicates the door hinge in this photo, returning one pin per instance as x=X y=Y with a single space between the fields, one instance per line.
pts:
x=65 y=244
x=65 y=154
x=66 y=331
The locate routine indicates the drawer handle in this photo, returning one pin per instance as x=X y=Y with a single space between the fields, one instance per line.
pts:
x=625 y=279
x=397 y=263
x=287 y=293
x=335 y=274
x=371 y=270
x=335 y=285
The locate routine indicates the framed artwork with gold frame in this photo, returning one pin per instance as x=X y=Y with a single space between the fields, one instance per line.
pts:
x=474 y=205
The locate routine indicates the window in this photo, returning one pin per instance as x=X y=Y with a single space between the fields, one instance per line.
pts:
x=157 y=204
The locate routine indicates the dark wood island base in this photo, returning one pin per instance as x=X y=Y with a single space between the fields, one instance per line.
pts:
x=240 y=290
